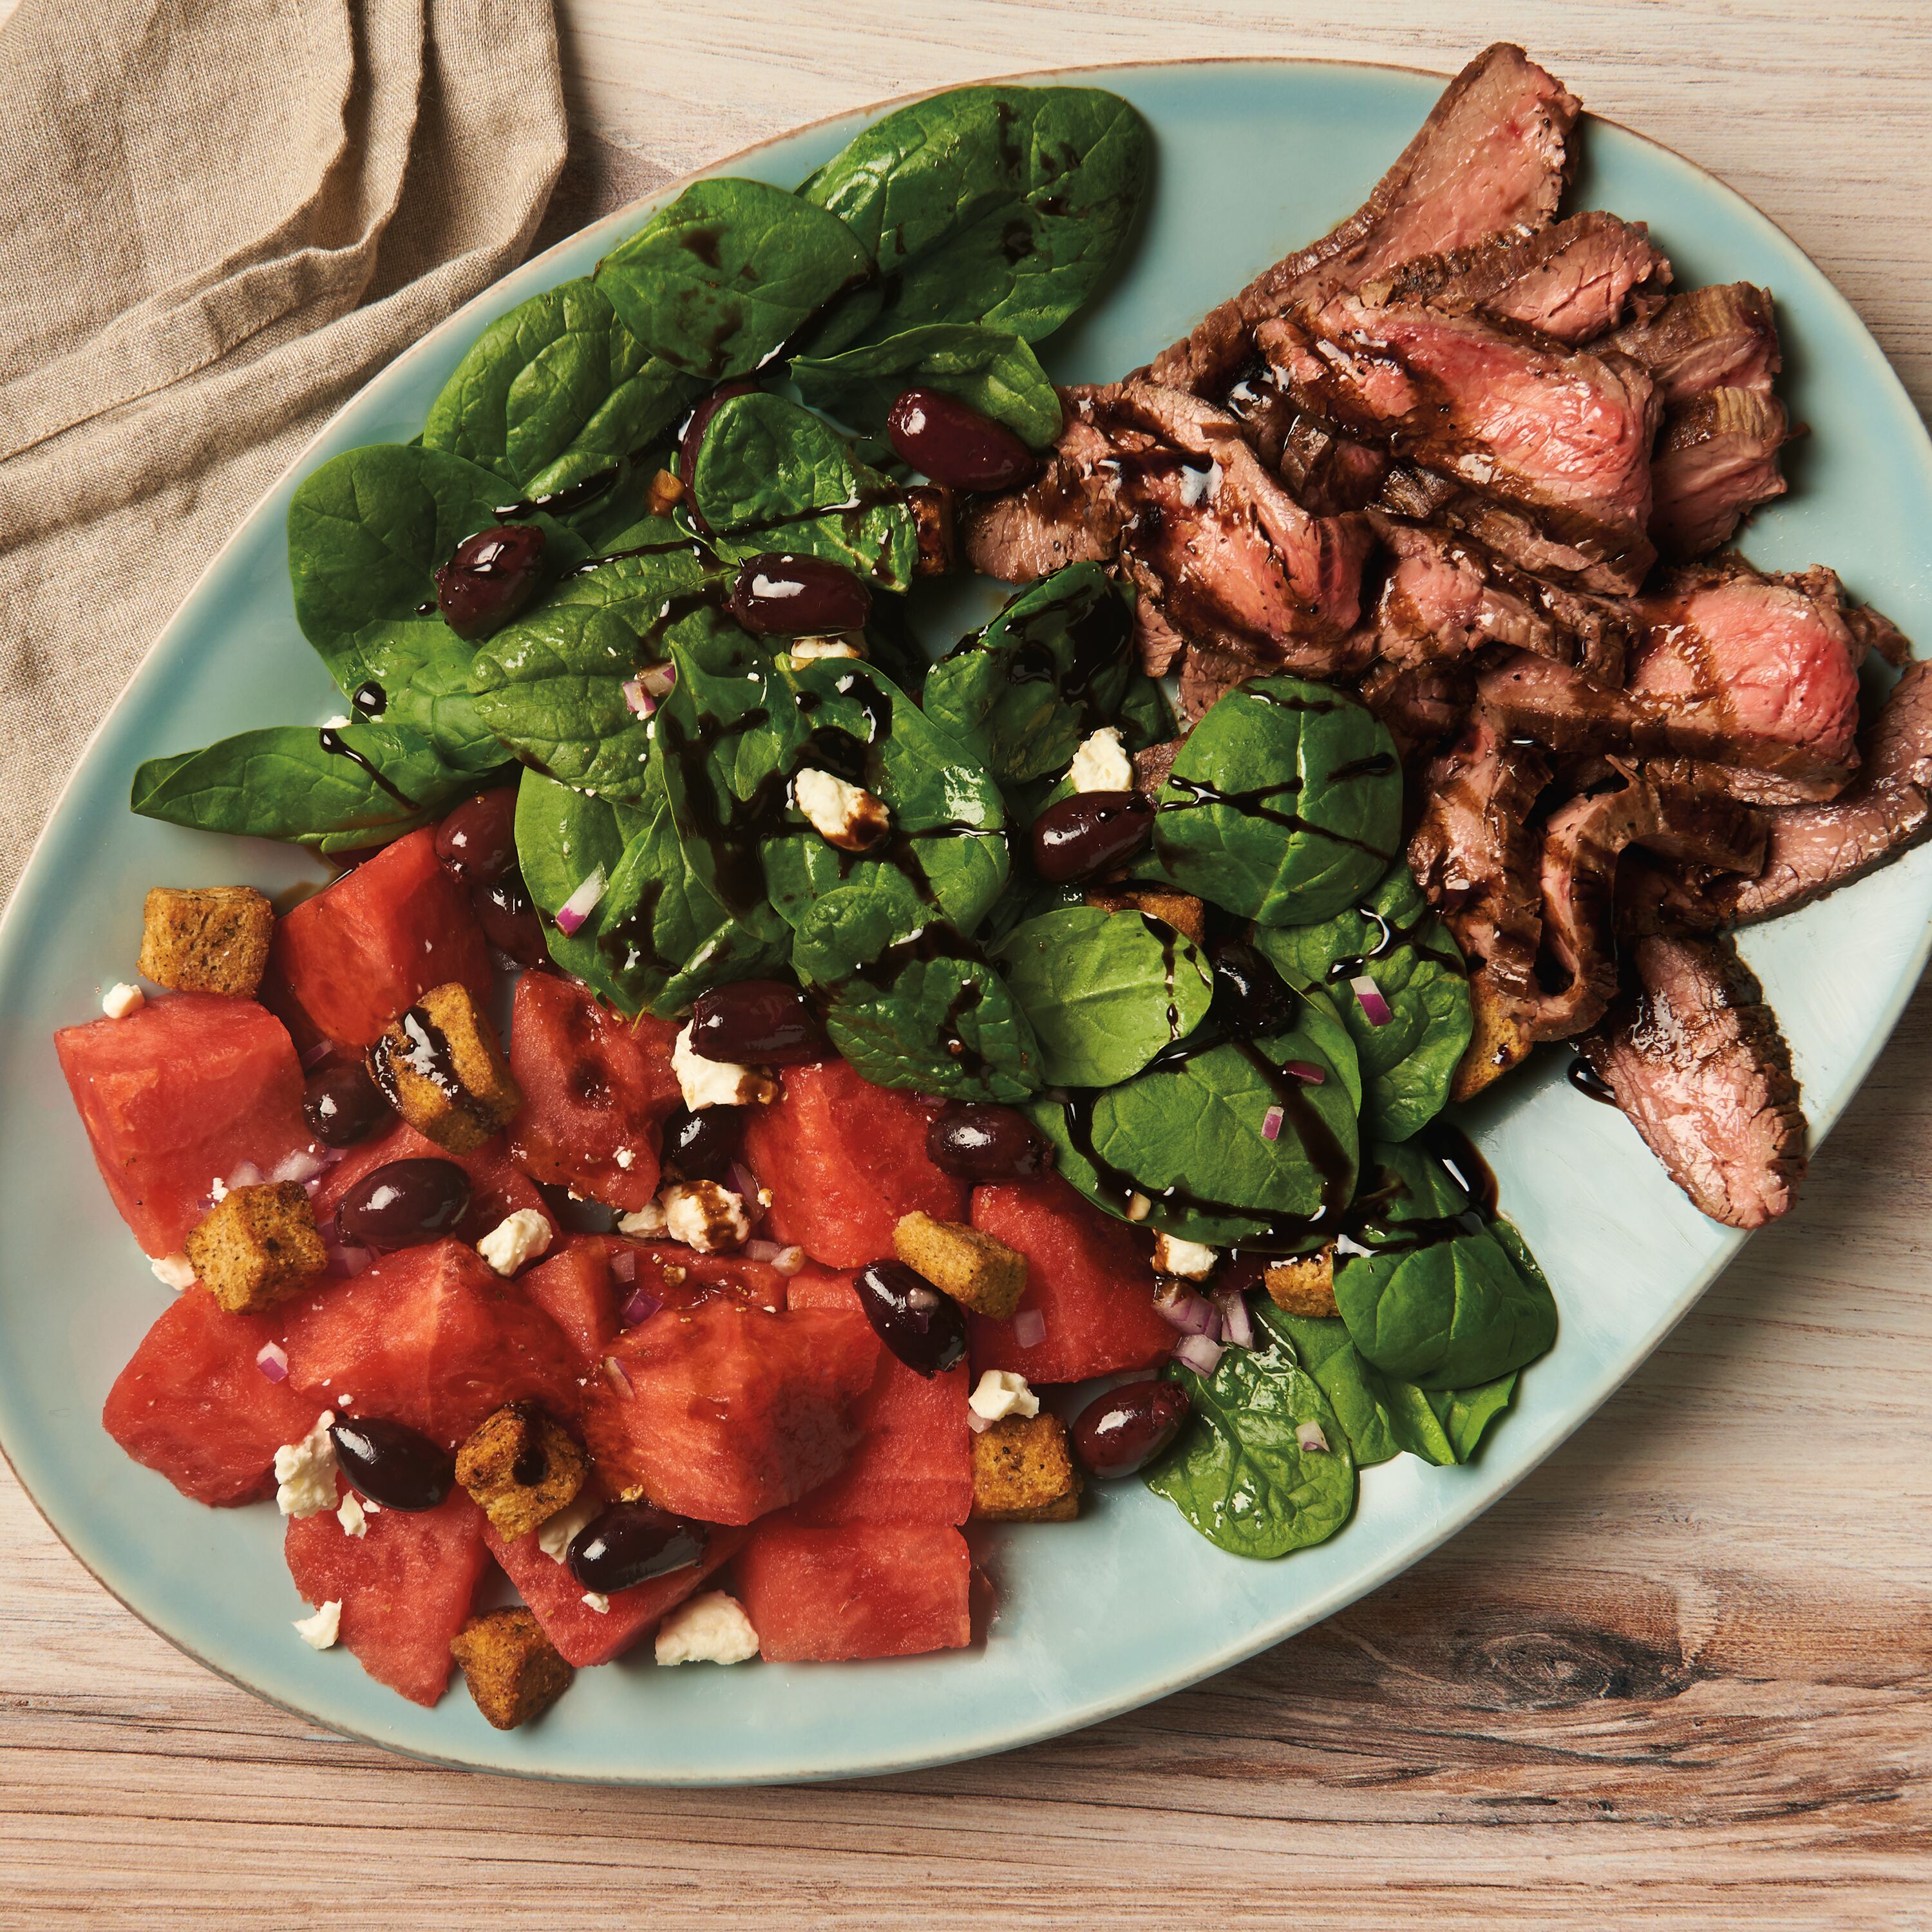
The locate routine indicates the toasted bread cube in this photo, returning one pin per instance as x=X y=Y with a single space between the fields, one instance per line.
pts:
x=257 y=1245
x=931 y=507
x=442 y=1070
x=1501 y=1040
x=521 y=1468
x=206 y=939
x=513 y=1670
x=1305 y=1286
x=978 y=1272
x=1181 y=911
x=1022 y=1473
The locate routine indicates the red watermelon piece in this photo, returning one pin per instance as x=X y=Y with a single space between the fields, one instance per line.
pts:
x=582 y=1635
x=824 y=1596
x=368 y=948
x=405 y=1586
x=497 y=1186
x=844 y=1159
x=1089 y=1276
x=573 y=1286
x=192 y=1404
x=595 y=1086
x=179 y=1095
x=731 y=1411
x=432 y=1337
x=914 y=1462
x=681 y=1277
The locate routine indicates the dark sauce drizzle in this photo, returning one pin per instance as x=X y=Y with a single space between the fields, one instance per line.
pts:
x=1590 y=1083
x=330 y=740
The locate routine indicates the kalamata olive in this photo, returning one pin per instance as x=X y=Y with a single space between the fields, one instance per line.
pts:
x=978 y=1142
x=508 y=920
x=699 y=420
x=1089 y=833
x=941 y=437
x=703 y=1145
x=923 y=1327
x=493 y=575
x=631 y=1543
x=392 y=1464
x=406 y=1202
x=1126 y=1429
x=341 y=1105
x=781 y=595
x=758 y=1022
x=478 y=840
x=1250 y=998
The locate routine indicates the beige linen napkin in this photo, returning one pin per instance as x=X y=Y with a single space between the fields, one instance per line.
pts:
x=217 y=219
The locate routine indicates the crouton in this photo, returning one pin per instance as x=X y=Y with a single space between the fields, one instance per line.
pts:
x=513 y=1670
x=206 y=939
x=978 y=1272
x=1021 y=1472
x=1180 y=910
x=257 y=1245
x=1305 y=1286
x=522 y=1468
x=1502 y=1039
x=931 y=507
x=441 y=1068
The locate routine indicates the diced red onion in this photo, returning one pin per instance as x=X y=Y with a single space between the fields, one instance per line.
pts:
x=614 y=1370
x=1029 y=1327
x=641 y=1307
x=246 y=1174
x=1198 y=1353
x=1177 y=1304
x=637 y=699
x=313 y=1056
x=272 y=1359
x=654 y=680
x=767 y=1252
x=977 y=1422
x=744 y=1183
x=1305 y=1071
x=1271 y=1124
x=624 y=1266
x=348 y=1261
x=581 y=903
x=1375 y=1008
x=300 y=1166
x=788 y=1260
x=1237 y=1324
x=1309 y=1436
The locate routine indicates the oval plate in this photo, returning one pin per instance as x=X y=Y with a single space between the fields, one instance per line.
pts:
x=1127 y=1603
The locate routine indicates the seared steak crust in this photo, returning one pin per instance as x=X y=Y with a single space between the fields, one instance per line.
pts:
x=1716 y=461
x=1721 y=336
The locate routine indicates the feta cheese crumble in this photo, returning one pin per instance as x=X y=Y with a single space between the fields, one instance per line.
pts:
x=648 y=1220
x=175 y=1271
x=804 y=650
x=514 y=1240
x=554 y=1533
x=1188 y=1259
x=595 y=1600
x=354 y=1521
x=320 y=1631
x=1001 y=1392
x=708 y=1628
x=716 y=1083
x=120 y=999
x=1101 y=764
x=843 y=815
x=305 y=1471
x=705 y=1215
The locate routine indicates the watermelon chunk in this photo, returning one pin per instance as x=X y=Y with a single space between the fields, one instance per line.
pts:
x=914 y=1462
x=366 y=949
x=681 y=1277
x=179 y=1095
x=1089 y=1276
x=573 y=1287
x=431 y=1337
x=497 y=1186
x=844 y=1159
x=731 y=1411
x=192 y=1404
x=584 y=1636
x=595 y=1086
x=823 y=1596
x=405 y=1586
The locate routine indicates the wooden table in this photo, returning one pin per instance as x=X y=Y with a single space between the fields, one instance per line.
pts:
x=1678 y=1678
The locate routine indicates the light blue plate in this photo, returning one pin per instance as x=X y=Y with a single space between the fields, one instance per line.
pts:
x=1128 y=1603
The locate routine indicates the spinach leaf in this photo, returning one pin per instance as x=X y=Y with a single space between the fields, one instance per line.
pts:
x=991 y=369
x=1105 y=991
x=1284 y=805
x=765 y=466
x=422 y=669
x=1003 y=206
x=556 y=391
x=1239 y=1473
x=1321 y=1345
x=1407 y=1063
x=1466 y=1414
x=728 y=273
x=282 y=783
x=945 y=1025
x=563 y=835
x=1434 y=1294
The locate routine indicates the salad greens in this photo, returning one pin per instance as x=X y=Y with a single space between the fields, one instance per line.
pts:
x=660 y=744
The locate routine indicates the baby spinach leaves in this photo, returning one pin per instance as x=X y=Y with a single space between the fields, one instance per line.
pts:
x=942 y=1024
x=992 y=370
x=563 y=836
x=1284 y=804
x=1354 y=1391
x=1105 y=991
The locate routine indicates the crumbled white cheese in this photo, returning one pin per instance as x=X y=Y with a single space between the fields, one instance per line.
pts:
x=120 y=999
x=705 y=1215
x=1101 y=764
x=354 y=1520
x=844 y=815
x=337 y=723
x=514 y=1240
x=595 y=1600
x=1001 y=1392
x=218 y=1190
x=716 y=1083
x=1188 y=1259
x=1139 y=1206
x=708 y=1628
x=305 y=1471
x=803 y=650
x=175 y=1271
x=1199 y=486
x=320 y=1631
x=625 y=1157
x=554 y=1533
x=648 y=1220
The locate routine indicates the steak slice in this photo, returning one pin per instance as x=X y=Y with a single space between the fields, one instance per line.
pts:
x=1493 y=158
x=1069 y=514
x=1716 y=461
x=1719 y=337
x=1698 y=1063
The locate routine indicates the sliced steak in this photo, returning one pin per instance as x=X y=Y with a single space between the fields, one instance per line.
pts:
x=1069 y=514
x=1697 y=1062
x=1423 y=704
x=1719 y=337
x=1716 y=460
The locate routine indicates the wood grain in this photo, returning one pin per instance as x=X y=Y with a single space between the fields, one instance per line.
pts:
x=1681 y=1677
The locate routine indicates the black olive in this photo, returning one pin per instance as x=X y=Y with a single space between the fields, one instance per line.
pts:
x=923 y=1327
x=404 y=1202
x=977 y=1141
x=702 y=1145
x=758 y=1022
x=491 y=577
x=341 y=1105
x=1250 y=998
x=943 y=438
x=631 y=1543
x=1089 y=833
x=1126 y=1429
x=781 y=595
x=392 y=1464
